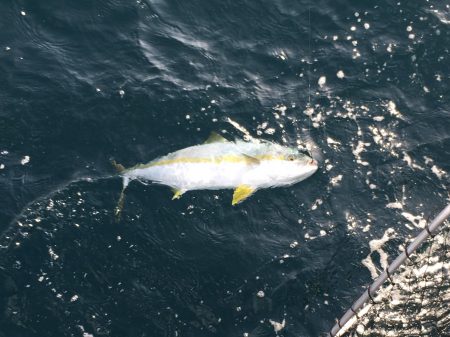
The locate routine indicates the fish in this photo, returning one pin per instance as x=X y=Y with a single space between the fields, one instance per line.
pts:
x=219 y=164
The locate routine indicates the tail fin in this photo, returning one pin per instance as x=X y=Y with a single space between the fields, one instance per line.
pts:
x=121 y=202
x=119 y=167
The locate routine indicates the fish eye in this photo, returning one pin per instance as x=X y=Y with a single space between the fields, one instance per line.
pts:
x=291 y=157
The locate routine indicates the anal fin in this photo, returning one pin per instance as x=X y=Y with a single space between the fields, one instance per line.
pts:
x=241 y=193
x=177 y=193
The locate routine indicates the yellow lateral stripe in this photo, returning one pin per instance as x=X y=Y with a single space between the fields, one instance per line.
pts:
x=215 y=160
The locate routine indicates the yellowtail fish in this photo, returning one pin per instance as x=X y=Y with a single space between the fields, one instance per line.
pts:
x=222 y=164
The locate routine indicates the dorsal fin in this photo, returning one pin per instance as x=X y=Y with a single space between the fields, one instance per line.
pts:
x=214 y=137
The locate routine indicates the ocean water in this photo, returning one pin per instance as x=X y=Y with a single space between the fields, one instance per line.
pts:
x=364 y=85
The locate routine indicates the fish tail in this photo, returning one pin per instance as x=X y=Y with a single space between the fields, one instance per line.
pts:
x=121 y=202
x=119 y=167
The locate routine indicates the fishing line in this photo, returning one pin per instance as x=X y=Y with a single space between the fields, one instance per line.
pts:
x=310 y=146
x=308 y=139
x=309 y=56
x=302 y=143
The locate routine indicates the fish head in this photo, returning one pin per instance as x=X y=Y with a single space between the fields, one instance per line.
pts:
x=292 y=166
x=299 y=166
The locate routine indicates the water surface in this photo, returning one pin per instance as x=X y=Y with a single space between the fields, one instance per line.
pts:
x=364 y=84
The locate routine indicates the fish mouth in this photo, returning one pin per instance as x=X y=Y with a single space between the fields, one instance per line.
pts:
x=313 y=162
x=313 y=166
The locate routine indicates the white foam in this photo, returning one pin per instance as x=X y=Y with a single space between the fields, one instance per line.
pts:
x=262 y=125
x=428 y=160
x=336 y=180
x=352 y=223
x=376 y=246
x=357 y=152
x=282 y=55
x=52 y=254
x=316 y=204
x=438 y=171
x=277 y=326
x=50 y=205
x=340 y=74
x=385 y=139
x=25 y=160
x=322 y=81
x=309 y=111
x=333 y=143
x=407 y=158
x=396 y=204
x=281 y=109
x=417 y=220
x=442 y=16
x=392 y=108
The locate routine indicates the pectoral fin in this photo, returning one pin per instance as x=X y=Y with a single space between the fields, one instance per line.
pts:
x=241 y=193
x=251 y=160
x=177 y=193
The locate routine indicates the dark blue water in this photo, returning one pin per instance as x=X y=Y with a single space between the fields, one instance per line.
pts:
x=83 y=82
